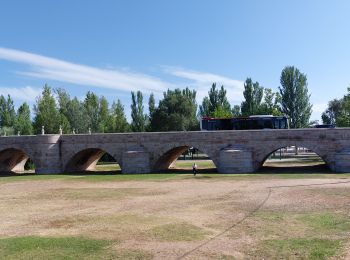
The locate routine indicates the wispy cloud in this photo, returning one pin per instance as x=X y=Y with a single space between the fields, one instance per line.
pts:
x=27 y=93
x=48 y=68
x=63 y=71
x=202 y=82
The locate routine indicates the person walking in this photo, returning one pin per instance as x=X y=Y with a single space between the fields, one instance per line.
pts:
x=194 y=169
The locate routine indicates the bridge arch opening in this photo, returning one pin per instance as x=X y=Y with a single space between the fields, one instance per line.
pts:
x=92 y=160
x=182 y=158
x=294 y=159
x=13 y=160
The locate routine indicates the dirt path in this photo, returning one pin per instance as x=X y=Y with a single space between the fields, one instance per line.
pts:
x=140 y=214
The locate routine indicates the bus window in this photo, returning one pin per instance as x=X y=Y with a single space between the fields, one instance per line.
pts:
x=282 y=124
x=276 y=123
x=268 y=123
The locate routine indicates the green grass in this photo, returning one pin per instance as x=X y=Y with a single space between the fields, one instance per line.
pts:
x=34 y=247
x=173 y=175
x=178 y=232
x=202 y=164
x=298 y=248
x=327 y=222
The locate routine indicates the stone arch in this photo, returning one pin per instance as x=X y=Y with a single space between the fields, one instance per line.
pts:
x=170 y=153
x=14 y=159
x=85 y=160
x=263 y=156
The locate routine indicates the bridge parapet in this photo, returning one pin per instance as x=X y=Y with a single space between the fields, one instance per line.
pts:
x=231 y=151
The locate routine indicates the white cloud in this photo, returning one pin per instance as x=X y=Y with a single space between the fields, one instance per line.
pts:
x=55 y=69
x=317 y=110
x=27 y=93
x=319 y=107
x=118 y=79
x=202 y=82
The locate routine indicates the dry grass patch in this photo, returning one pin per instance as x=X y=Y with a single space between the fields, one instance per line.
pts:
x=95 y=193
x=178 y=232
x=117 y=227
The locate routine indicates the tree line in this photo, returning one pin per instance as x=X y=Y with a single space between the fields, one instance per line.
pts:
x=55 y=109
x=338 y=111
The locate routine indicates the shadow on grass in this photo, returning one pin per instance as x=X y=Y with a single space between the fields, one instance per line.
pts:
x=307 y=169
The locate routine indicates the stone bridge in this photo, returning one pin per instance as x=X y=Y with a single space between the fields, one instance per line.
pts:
x=231 y=151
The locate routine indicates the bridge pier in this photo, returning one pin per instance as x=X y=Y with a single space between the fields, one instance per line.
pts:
x=235 y=159
x=48 y=154
x=136 y=161
x=342 y=161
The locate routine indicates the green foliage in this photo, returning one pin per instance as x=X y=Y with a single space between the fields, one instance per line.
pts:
x=253 y=94
x=270 y=106
x=236 y=111
x=338 y=111
x=103 y=115
x=6 y=131
x=151 y=104
x=139 y=119
x=176 y=111
x=91 y=104
x=23 y=123
x=46 y=113
x=295 y=100
x=7 y=112
x=216 y=103
x=333 y=111
x=118 y=122
x=77 y=116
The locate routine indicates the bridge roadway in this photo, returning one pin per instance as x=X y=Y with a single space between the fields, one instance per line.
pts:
x=231 y=151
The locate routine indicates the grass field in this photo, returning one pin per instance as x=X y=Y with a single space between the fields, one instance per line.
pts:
x=278 y=213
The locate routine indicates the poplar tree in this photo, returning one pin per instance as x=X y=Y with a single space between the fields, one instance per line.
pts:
x=46 y=113
x=138 y=123
x=118 y=122
x=253 y=94
x=295 y=99
x=23 y=124
x=216 y=103
x=7 y=112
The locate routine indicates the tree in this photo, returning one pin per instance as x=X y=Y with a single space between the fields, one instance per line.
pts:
x=63 y=99
x=295 y=100
x=138 y=123
x=77 y=116
x=23 y=123
x=216 y=104
x=46 y=113
x=236 y=111
x=271 y=106
x=333 y=111
x=151 y=104
x=151 y=109
x=7 y=112
x=253 y=94
x=176 y=111
x=91 y=105
x=338 y=111
x=344 y=117
x=103 y=115
x=118 y=122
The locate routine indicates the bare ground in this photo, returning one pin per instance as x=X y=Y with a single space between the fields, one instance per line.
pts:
x=193 y=218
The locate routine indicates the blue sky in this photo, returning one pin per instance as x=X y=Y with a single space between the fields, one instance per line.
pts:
x=114 y=47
